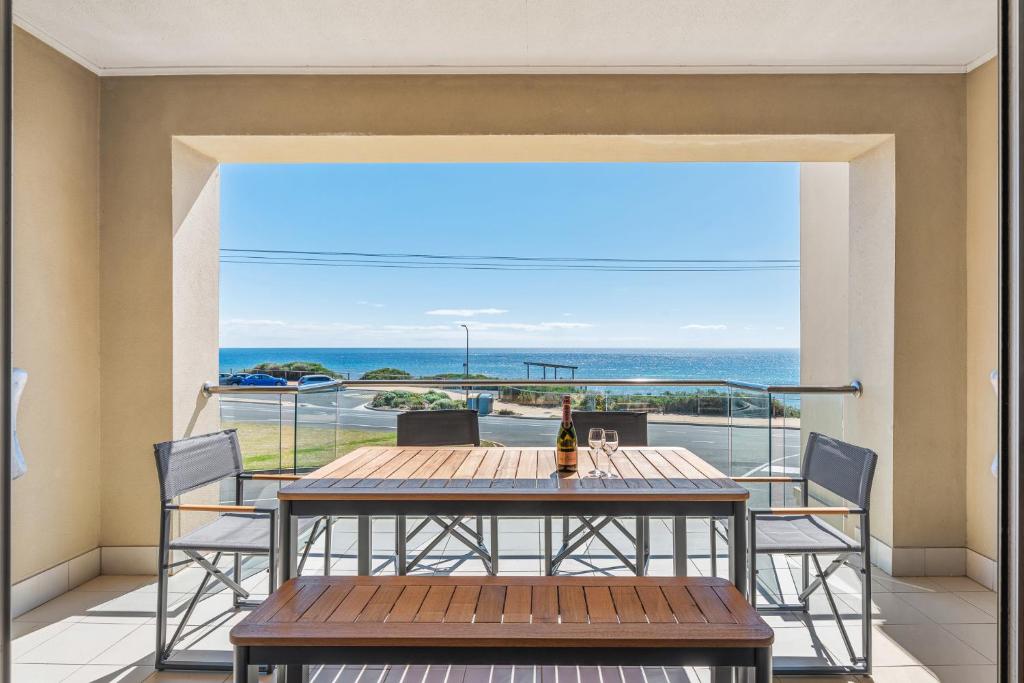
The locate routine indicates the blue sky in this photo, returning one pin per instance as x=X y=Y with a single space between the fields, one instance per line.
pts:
x=616 y=210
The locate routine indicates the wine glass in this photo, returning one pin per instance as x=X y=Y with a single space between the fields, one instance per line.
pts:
x=611 y=444
x=595 y=438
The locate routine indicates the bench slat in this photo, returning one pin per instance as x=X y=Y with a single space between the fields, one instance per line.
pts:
x=562 y=612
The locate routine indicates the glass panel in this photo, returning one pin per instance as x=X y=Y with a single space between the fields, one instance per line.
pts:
x=316 y=427
x=258 y=419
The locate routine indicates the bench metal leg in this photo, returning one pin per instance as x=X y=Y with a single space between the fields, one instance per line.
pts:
x=721 y=674
x=244 y=671
x=547 y=545
x=363 y=545
x=679 y=553
x=494 y=544
x=763 y=665
x=295 y=673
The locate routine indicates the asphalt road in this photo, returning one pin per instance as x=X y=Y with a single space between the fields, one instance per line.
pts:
x=711 y=442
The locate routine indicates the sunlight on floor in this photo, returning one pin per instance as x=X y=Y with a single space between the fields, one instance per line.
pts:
x=925 y=629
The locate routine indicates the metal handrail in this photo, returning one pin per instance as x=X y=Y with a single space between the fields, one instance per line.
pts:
x=854 y=387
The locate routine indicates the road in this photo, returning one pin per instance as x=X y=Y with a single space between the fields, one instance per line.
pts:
x=711 y=442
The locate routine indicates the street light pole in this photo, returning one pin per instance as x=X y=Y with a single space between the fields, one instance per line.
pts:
x=465 y=365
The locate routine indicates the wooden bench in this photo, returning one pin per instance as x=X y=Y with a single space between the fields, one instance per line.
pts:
x=434 y=620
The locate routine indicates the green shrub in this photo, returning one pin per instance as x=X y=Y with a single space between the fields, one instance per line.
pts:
x=386 y=373
x=410 y=402
x=383 y=399
x=432 y=396
x=444 y=404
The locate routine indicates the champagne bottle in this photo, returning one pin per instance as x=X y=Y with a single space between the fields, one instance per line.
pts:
x=565 y=445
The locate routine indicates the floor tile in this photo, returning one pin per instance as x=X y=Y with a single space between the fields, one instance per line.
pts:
x=982 y=637
x=27 y=636
x=186 y=677
x=957 y=583
x=42 y=673
x=947 y=608
x=927 y=644
x=887 y=608
x=108 y=584
x=138 y=647
x=78 y=644
x=107 y=673
x=986 y=600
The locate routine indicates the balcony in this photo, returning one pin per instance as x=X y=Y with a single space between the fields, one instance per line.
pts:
x=123 y=118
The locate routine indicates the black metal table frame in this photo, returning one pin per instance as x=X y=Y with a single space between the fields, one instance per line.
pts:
x=293 y=508
x=293 y=660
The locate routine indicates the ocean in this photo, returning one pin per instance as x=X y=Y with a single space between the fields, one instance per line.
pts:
x=759 y=366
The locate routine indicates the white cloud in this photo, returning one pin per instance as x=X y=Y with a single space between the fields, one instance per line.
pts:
x=370 y=304
x=466 y=312
x=525 y=327
x=697 y=326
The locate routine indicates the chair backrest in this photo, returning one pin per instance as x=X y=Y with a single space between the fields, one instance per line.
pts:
x=631 y=426
x=188 y=464
x=438 y=428
x=842 y=468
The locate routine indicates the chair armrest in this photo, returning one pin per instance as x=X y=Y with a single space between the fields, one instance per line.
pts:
x=188 y=507
x=269 y=477
x=767 y=480
x=763 y=512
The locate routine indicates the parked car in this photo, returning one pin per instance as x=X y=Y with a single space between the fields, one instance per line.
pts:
x=235 y=379
x=314 y=379
x=261 y=380
x=223 y=378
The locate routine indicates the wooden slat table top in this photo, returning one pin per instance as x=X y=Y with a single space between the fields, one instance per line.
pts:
x=502 y=611
x=467 y=473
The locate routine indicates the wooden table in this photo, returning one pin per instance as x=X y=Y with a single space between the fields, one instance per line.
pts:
x=473 y=620
x=514 y=482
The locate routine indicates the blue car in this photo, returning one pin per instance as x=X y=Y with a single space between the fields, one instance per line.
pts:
x=235 y=379
x=260 y=380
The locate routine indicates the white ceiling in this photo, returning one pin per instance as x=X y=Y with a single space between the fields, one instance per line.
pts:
x=116 y=37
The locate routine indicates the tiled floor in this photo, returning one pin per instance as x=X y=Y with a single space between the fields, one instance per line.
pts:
x=925 y=629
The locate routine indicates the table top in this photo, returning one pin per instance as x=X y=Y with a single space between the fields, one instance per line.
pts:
x=467 y=473
x=528 y=611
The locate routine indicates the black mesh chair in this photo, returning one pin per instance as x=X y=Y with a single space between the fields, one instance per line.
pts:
x=632 y=429
x=189 y=464
x=442 y=428
x=842 y=470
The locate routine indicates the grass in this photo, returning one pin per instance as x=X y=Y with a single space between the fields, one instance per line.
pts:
x=265 y=446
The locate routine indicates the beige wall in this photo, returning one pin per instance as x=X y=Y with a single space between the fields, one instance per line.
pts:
x=982 y=308
x=824 y=293
x=924 y=113
x=56 y=504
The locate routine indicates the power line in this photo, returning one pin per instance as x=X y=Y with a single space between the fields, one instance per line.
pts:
x=341 y=263
x=242 y=252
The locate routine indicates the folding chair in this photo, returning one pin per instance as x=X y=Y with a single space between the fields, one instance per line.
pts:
x=443 y=428
x=846 y=471
x=189 y=464
x=632 y=429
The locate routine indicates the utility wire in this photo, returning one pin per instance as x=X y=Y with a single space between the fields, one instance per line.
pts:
x=242 y=252
x=270 y=261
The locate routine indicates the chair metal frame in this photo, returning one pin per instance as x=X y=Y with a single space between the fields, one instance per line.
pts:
x=588 y=528
x=454 y=526
x=165 y=658
x=857 y=557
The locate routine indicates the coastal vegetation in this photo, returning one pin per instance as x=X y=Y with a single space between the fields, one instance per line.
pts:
x=408 y=400
x=386 y=373
x=709 y=402
x=296 y=366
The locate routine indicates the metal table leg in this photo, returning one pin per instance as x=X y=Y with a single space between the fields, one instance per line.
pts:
x=738 y=546
x=287 y=534
x=763 y=665
x=679 y=552
x=363 y=543
x=244 y=671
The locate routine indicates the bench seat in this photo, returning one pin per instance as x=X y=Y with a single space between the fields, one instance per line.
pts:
x=652 y=621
